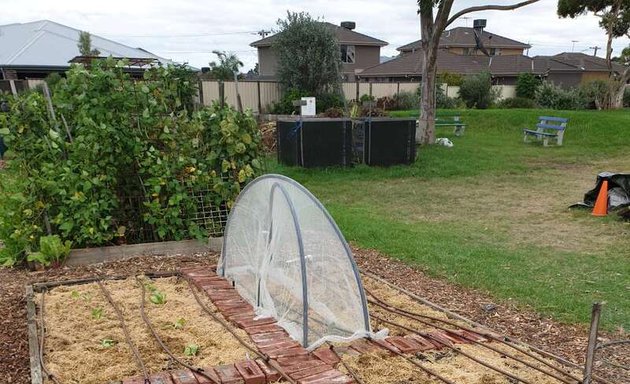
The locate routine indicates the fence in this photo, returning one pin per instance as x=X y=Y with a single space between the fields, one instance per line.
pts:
x=259 y=96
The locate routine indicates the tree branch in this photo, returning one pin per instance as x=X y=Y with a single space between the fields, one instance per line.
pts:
x=488 y=8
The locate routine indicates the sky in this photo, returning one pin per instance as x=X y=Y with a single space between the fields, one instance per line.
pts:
x=188 y=30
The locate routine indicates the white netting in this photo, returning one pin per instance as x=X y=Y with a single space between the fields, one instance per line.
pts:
x=289 y=260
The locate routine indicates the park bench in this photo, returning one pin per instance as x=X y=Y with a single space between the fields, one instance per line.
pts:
x=548 y=127
x=451 y=120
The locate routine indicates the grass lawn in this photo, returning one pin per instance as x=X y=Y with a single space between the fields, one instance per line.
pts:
x=491 y=212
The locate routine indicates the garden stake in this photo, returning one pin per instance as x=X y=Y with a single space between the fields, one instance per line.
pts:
x=350 y=371
x=592 y=341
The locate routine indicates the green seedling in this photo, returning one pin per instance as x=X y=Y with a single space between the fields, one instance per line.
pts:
x=179 y=324
x=191 y=350
x=97 y=313
x=108 y=343
x=158 y=297
x=75 y=294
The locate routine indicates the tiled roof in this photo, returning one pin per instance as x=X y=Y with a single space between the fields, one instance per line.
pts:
x=411 y=64
x=343 y=35
x=575 y=61
x=465 y=37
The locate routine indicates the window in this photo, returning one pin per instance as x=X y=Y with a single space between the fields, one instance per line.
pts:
x=347 y=54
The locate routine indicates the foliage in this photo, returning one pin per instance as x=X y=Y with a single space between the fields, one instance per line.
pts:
x=228 y=65
x=97 y=313
x=477 y=92
x=526 y=85
x=517 y=102
x=284 y=106
x=548 y=95
x=605 y=9
x=407 y=100
x=365 y=98
x=334 y=112
x=386 y=103
x=85 y=45
x=308 y=55
x=123 y=139
x=157 y=297
x=452 y=79
x=327 y=100
x=626 y=97
x=191 y=350
x=108 y=343
x=51 y=251
x=594 y=93
x=441 y=99
x=53 y=79
x=180 y=323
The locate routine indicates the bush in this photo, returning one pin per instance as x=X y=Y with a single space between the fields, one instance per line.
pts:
x=131 y=157
x=284 y=106
x=407 y=100
x=386 y=103
x=516 y=102
x=477 y=92
x=325 y=101
x=452 y=79
x=334 y=112
x=526 y=85
x=365 y=98
x=442 y=101
x=594 y=93
x=551 y=96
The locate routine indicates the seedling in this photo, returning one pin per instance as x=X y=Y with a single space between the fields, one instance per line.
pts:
x=179 y=324
x=108 y=343
x=75 y=294
x=191 y=350
x=97 y=313
x=157 y=297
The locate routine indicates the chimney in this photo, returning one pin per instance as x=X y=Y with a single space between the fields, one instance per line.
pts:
x=348 y=25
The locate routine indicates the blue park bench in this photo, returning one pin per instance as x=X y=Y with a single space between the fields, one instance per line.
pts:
x=548 y=127
x=452 y=120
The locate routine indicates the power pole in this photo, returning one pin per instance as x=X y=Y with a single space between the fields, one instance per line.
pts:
x=595 y=48
x=263 y=33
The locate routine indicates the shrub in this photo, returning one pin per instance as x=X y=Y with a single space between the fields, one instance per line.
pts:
x=365 y=97
x=594 y=93
x=526 y=85
x=407 y=100
x=477 y=92
x=452 y=79
x=386 y=103
x=548 y=95
x=284 y=106
x=131 y=155
x=329 y=100
x=517 y=102
x=334 y=112
x=442 y=101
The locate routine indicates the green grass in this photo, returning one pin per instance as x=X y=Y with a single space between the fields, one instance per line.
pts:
x=464 y=214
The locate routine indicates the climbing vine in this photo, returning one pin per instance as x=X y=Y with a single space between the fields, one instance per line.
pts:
x=110 y=156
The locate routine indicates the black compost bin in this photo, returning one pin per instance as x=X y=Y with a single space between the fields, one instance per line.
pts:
x=389 y=141
x=315 y=142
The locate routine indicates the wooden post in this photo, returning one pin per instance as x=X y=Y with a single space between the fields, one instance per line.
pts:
x=13 y=88
x=200 y=85
x=259 y=100
x=357 y=91
x=592 y=343
x=33 y=339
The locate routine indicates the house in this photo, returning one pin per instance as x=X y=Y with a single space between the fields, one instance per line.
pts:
x=571 y=69
x=462 y=41
x=34 y=50
x=357 y=51
x=408 y=67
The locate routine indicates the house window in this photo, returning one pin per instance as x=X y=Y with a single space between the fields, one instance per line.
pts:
x=347 y=54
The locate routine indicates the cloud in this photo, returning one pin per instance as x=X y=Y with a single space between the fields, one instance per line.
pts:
x=188 y=30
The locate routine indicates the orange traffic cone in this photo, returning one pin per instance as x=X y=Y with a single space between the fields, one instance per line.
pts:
x=601 y=204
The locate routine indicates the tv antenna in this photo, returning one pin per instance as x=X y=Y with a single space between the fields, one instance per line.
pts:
x=573 y=46
x=466 y=18
x=595 y=48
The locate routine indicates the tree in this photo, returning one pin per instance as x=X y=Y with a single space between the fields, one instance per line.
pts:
x=85 y=45
x=228 y=68
x=308 y=55
x=615 y=19
x=431 y=29
x=228 y=65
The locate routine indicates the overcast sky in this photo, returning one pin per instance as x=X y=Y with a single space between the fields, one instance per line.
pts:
x=188 y=31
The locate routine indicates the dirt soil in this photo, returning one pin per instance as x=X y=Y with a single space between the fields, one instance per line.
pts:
x=503 y=317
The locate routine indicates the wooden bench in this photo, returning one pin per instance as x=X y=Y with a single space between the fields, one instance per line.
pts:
x=451 y=121
x=548 y=127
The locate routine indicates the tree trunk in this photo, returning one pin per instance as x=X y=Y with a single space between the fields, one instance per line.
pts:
x=426 y=134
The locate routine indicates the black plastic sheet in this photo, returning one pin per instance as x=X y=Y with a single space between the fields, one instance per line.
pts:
x=618 y=193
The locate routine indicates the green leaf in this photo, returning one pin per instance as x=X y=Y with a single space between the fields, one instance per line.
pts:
x=4 y=131
x=158 y=298
x=191 y=350
x=97 y=313
x=108 y=343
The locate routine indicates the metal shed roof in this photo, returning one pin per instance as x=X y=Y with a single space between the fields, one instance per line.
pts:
x=45 y=43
